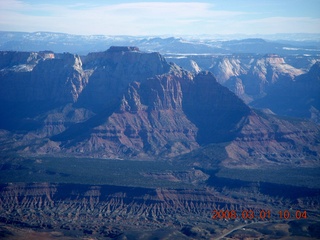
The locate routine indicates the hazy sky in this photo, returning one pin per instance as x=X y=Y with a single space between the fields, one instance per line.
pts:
x=161 y=17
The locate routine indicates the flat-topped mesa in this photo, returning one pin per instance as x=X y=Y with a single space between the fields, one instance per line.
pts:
x=123 y=49
x=125 y=103
x=127 y=58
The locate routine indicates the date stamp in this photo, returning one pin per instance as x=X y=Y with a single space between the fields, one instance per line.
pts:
x=249 y=214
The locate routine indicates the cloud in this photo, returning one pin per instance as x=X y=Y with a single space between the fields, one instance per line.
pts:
x=140 y=18
x=126 y=18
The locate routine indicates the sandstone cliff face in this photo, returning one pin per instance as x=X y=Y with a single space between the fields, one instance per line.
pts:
x=58 y=80
x=113 y=70
x=299 y=98
x=22 y=61
x=250 y=76
x=148 y=121
x=262 y=73
x=47 y=81
x=266 y=72
x=285 y=85
x=226 y=68
x=123 y=103
x=44 y=78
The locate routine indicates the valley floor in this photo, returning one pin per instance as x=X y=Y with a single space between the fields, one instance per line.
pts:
x=113 y=199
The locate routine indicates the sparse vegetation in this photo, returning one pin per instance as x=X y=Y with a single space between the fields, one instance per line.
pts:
x=80 y=198
x=304 y=177
x=89 y=171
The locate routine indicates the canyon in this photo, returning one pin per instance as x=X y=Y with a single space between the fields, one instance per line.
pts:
x=124 y=103
x=106 y=144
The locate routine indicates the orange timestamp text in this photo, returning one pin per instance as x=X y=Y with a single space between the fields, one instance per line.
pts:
x=249 y=214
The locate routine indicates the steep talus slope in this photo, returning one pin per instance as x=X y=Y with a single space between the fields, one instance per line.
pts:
x=270 y=140
x=123 y=103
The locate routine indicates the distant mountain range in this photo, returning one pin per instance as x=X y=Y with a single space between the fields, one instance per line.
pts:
x=83 y=44
x=126 y=103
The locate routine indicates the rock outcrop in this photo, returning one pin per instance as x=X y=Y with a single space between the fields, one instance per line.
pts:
x=123 y=103
x=103 y=211
x=267 y=140
x=250 y=76
x=299 y=98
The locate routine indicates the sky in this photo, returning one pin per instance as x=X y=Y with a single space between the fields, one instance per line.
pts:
x=140 y=18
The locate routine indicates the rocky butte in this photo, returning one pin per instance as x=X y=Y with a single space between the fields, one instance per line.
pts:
x=64 y=115
x=124 y=103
